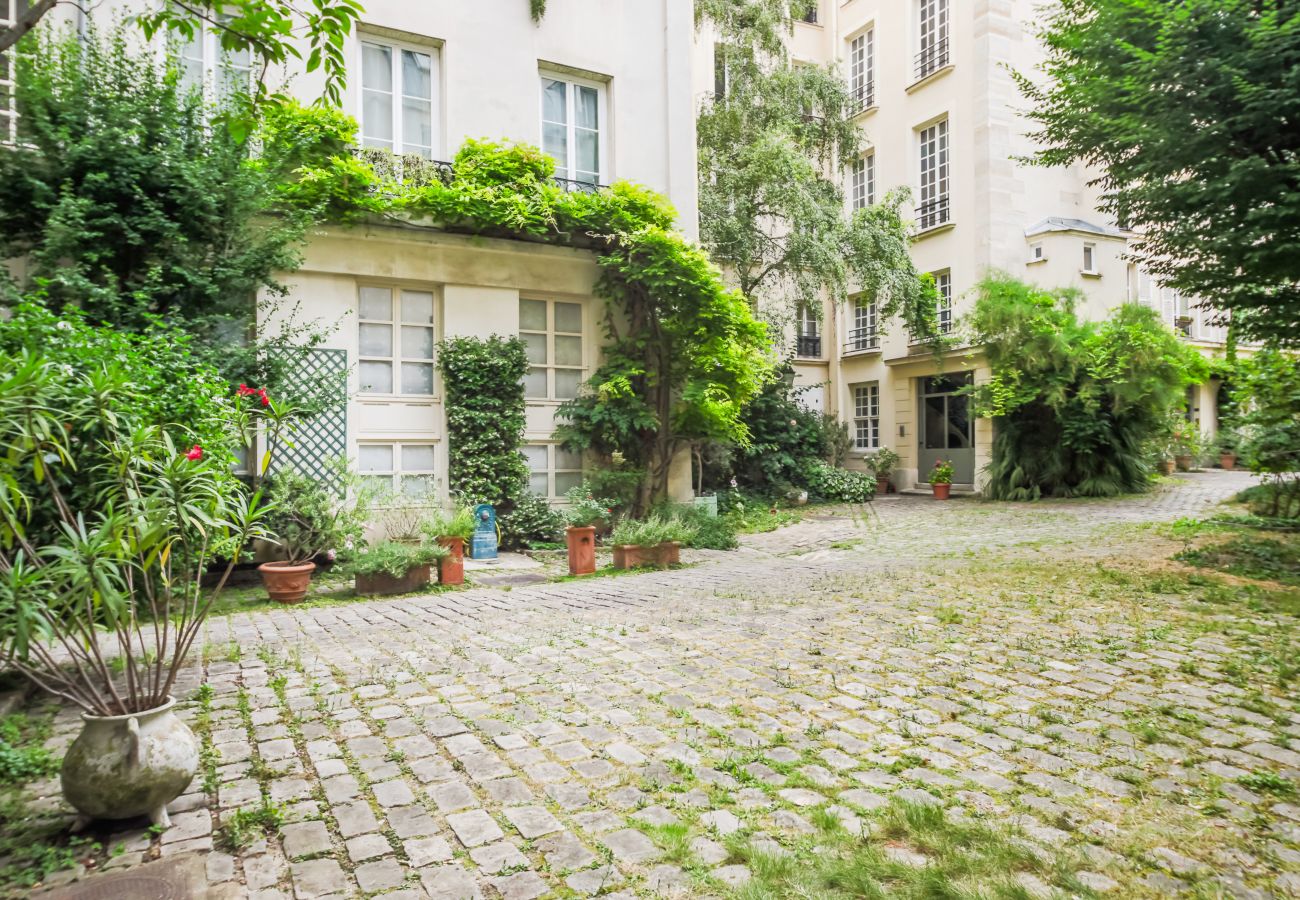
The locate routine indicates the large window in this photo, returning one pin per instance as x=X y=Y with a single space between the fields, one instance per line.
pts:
x=863 y=326
x=395 y=340
x=808 y=334
x=397 y=97
x=862 y=70
x=933 y=210
x=934 y=37
x=400 y=467
x=862 y=187
x=552 y=470
x=866 y=416
x=572 y=121
x=943 y=284
x=205 y=66
x=552 y=335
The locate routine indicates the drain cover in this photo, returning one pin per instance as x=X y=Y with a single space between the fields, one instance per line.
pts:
x=169 y=879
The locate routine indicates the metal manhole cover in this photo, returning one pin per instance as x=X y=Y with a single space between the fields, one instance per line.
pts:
x=180 y=878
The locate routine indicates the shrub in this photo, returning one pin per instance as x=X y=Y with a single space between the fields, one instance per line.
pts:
x=586 y=509
x=711 y=532
x=460 y=524
x=307 y=518
x=653 y=530
x=22 y=756
x=393 y=559
x=530 y=523
x=826 y=482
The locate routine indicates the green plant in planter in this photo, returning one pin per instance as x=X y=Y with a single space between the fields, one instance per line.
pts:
x=308 y=519
x=585 y=509
x=532 y=522
x=461 y=523
x=402 y=517
x=1228 y=440
x=393 y=559
x=652 y=531
x=942 y=472
x=883 y=462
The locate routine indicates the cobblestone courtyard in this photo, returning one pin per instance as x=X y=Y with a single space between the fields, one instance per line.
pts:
x=1043 y=667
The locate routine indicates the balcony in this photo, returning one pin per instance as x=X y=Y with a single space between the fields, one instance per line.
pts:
x=861 y=340
x=932 y=213
x=808 y=346
x=862 y=97
x=412 y=170
x=931 y=59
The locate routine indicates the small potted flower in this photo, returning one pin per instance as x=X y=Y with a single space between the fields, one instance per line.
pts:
x=393 y=568
x=307 y=519
x=941 y=478
x=1186 y=445
x=584 y=514
x=452 y=531
x=882 y=464
x=656 y=541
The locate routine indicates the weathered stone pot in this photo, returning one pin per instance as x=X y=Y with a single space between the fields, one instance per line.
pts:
x=451 y=568
x=125 y=766
x=382 y=583
x=630 y=556
x=286 y=582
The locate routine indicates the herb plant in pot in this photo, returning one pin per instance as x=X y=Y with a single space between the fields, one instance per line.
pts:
x=307 y=519
x=392 y=568
x=1228 y=441
x=941 y=479
x=584 y=514
x=882 y=464
x=1186 y=445
x=452 y=531
x=656 y=541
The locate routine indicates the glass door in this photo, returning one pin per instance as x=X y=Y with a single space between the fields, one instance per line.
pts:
x=946 y=431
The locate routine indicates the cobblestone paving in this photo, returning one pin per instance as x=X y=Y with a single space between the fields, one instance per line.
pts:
x=617 y=736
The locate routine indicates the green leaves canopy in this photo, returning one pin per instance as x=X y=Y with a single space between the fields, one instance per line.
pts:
x=1191 y=110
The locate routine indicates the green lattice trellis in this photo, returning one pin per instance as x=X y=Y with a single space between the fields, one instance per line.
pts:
x=322 y=436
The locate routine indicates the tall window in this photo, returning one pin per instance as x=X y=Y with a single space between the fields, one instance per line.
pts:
x=862 y=70
x=395 y=341
x=943 y=284
x=404 y=468
x=552 y=335
x=397 y=91
x=808 y=337
x=1090 y=257
x=934 y=37
x=572 y=115
x=9 y=12
x=862 y=187
x=933 y=210
x=552 y=470
x=866 y=416
x=205 y=65
x=863 y=331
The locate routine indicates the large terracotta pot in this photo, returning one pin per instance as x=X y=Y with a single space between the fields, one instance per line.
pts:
x=125 y=766
x=882 y=485
x=415 y=578
x=1227 y=461
x=1184 y=462
x=941 y=491
x=451 y=569
x=630 y=556
x=582 y=549
x=1167 y=466
x=286 y=582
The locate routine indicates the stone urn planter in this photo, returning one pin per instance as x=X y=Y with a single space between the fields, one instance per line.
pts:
x=630 y=556
x=125 y=766
x=381 y=583
x=582 y=549
x=1227 y=461
x=451 y=570
x=286 y=582
x=941 y=489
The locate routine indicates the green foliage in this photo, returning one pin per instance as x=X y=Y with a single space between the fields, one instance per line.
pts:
x=1132 y=85
x=1076 y=405
x=620 y=483
x=245 y=826
x=1263 y=558
x=1277 y=499
x=306 y=517
x=461 y=523
x=483 y=381
x=941 y=472
x=709 y=532
x=835 y=439
x=883 y=462
x=827 y=482
x=22 y=755
x=393 y=559
x=786 y=440
x=585 y=508
x=530 y=523
x=653 y=530
x=1270 y=427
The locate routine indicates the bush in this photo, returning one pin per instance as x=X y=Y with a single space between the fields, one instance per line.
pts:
x=308 y=518
x=393 y=559
x=838 y=485
x=1278 y=498
x=651 y=531
x=530 y=523
x=711 y=532
x=460 y=524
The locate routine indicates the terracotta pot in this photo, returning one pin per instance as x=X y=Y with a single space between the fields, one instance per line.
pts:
x=941 y=491
x=125 y=766
x=286 y=582
x=1227 y=461
x=415 y=578
x=582 y=549
x=1167 y=466
x=1184 y=462
x=630 y=556
x=882 y=485
x=451 y=569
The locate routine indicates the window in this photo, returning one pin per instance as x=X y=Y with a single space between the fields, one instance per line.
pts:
x=552 y=470
x=862 y=188
x=397 y=91
x=719 y=71
x=572 y=112
x=552 y=334
x=943 y=284
x=10 y=10
x=933 y=210
x=395 y=341
x=402 y=468
x=810 y=16
x=204 y=64
x=1089 y=258
x=863 y=333
x=866 y=416
x=934 y=37
x=862 y=70
x=1036 y=252
x=808 y=338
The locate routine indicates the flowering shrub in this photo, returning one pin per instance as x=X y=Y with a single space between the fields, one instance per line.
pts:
x=586 y=509
x=531 y=523
x=826 y=482
x=942 y=472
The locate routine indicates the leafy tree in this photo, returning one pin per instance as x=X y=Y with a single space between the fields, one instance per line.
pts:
x=1270 y=423
x=271 y=31
x=1075 y=405
x=772 y=214
x=1191 y=110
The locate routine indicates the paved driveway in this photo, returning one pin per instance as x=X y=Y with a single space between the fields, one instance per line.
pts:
x=554 y=738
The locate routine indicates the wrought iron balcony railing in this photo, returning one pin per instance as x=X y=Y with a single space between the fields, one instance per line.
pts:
x=862 y=97
x=860 y=339
x=808 y=346
x=932 y=58
x=413 y=170
x=932 y=213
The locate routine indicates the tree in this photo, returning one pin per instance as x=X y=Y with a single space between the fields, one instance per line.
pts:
x=1191 y=111
x=771 y=213
x=271 y=31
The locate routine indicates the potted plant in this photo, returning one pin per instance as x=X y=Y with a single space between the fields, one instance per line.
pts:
x=307 y=519
x=882 y=464
x=109 y=523
x=584 y=514
x=393 y=568
x=941 y=478
x=1227 y=442
x=452 y=531
x=1186 y=444
x=656 y=541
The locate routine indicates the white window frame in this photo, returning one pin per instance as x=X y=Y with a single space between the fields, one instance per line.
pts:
x=551 y=366
x=552 y=470
x=212 y=59
x=398 y=93
x=807 y=324
x=1036 y=253
x=935 y=166
x=932 y=30
x=862 y=69
x=400 y=470
x=865 y=331
x=8 y=107
x=569 y=165
x=866 y=415
x=862 y=180
x=943 y=284
x=396 y=323
x=1089 y=258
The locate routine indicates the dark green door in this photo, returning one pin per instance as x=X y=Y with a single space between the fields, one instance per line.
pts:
x=946 y=431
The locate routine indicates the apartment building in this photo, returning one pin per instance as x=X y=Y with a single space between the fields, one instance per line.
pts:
x=940 y=113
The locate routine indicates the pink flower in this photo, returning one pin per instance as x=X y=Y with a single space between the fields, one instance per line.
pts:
x=196 y=453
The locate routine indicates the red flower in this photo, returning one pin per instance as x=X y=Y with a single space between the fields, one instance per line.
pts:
x=196 y=453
